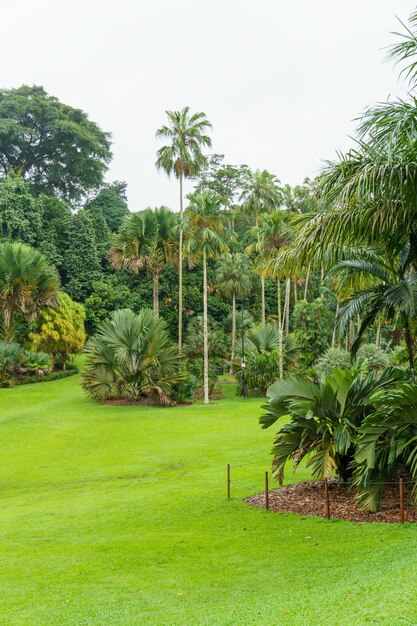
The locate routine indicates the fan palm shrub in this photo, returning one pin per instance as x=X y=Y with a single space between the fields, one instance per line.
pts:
x=131 y=356
x=391 y=291
x=27 y=284
x=262 y=359
x=146 y=239
x=15 y=361
x=322 y=419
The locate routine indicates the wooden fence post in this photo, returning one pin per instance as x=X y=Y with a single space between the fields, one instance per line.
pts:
x=266 y=491
x=401 y=501
x=228 y=480
x=326 y=495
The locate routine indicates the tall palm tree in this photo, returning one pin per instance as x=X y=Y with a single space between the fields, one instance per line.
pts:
x=205 y=238
x=183 y=157
x=146 y=239
x=234 y=281
x=261 y=194
x=27 y=284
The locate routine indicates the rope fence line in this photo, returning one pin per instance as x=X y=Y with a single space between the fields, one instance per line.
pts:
x=326 y=497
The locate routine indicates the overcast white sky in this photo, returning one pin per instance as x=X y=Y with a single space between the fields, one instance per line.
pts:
x=280 y=80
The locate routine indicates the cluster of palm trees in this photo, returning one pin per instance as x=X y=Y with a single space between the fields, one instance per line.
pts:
x=201 y=230
x=354 y=227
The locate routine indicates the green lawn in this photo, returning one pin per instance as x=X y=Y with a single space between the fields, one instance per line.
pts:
x=118 y=516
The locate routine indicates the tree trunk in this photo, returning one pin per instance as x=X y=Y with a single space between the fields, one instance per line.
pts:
x=287 y=305
x=262 y=300
x=378 y=334
x=280 y=346
x=410 y=347
x=180 y=274
x=306 y=283
x=155 y=285
x=334 y=327
x=233 y=331
x=205 y=331
x=295 y=292
x=351 y=333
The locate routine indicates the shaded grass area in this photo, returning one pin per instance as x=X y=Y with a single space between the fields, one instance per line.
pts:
x=118 y=515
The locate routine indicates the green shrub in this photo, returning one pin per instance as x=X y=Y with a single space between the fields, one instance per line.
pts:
x=262 y=359
x=11 y=355
x=49 y=377
x=331 y=360
x=131 y=356
x=375 y=357
x=183 y=390
x=34 y=361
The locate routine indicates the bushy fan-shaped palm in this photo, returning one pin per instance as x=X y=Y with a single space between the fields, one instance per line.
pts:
x=234 y=279
x=27 y=284
x=131 y=356
x=392 y=290
x=146 y=239
x=182 y=156
x=204 y=238
x=386 y=444
x=323 y=418
x=262 y=358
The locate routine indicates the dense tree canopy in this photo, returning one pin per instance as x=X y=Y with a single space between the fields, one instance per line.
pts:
x=52 y=145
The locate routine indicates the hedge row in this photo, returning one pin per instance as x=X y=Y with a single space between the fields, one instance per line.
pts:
x=28 y=380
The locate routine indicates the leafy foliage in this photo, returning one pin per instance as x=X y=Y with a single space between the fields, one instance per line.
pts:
x=323 y=418
x=60 y=330
x=112 y=204
x=27 y=284
x=15 y=360
x=53 y=146
x=131 y=356
x=82 y=263
x=386 y=444
x=261 y=359
x=313 y=323
x=331 y=359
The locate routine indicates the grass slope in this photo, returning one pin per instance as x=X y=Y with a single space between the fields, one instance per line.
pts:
x=118 y=515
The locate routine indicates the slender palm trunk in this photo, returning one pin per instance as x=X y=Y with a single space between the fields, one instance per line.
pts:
x=262 y=300
x=233 y=331
x=285 y=308
x=280 y=342
x=155 y=286
x=180 y=255
x=205 y=330
x=306 y=283
x=295 y=292
x=287 y=305
x=351 y=332
x=410 y=346
x=378 y=334
x=334 y=327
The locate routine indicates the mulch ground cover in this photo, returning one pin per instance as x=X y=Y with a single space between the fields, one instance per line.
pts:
x=308 y=499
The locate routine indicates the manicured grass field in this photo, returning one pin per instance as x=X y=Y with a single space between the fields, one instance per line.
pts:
x=118 y=516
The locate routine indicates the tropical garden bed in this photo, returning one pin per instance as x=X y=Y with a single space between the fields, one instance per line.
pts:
x=308 y=498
